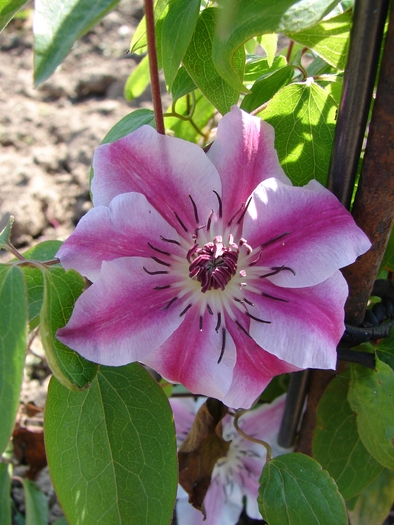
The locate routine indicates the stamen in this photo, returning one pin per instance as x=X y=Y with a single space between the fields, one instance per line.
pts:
x=201 y=319
x=257 y=259
x=170 y=240
x=209 y=309
x=220 y=204
x=195 y=209
x=180 y=222
x=209 y=220
x=195 y=234
x=273 y=297
x=223 y=345
x=170 y=303
x=159 y=261
x=243 y=213
x=158 y=250
x=218 y=323
x=161 y=272
x=277 y=270
x=185 y=310
x=257 y=319
x=243 y=329
x=162 y=287
x=264 y=245
x=236 y=213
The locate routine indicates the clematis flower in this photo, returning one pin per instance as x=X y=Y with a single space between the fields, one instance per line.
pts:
x=237 y=474
x=210 y=268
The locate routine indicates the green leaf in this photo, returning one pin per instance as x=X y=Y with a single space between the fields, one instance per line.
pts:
x=61 y=291
x=263 y=90
x=303 y=116
x=177 y=30
x=257 y=67
x=33 y=277
x=57 y=25
x=5 y=495
x=182 y=84
x=371 y=397
x=138 y=81
x=388 y=257
x=139 y=41
x=188 y=129
x=6 y=233
x=240 y=21
x=385 y=349
x=13 y=319
x=199 y=64
x=36 y=504
x=111 y=449
x=129 y=123
x=294 y=490
x=336 y=443
x=270 y=44
x=374 y=504
x=329 y=39
x=8 y=8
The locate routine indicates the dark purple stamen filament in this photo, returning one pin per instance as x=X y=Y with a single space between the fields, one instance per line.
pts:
x=277 y=270
x=219 y=322
x=160 y=272
x=245 y=210
x=185 y=310
x=180 y=222
x=158 y=249
x=243 y=329
x=273 y=297
x=264 y=245
x=159 y=261
x=194 y=209
x=164 y=287
x=170 y=303
x=257 y=319
x=223 y=345
x=170 y=240
x=220 y=204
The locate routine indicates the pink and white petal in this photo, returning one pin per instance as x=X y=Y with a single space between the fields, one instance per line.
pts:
x=253 y=371
x=190 y=356
x=184 y=415
x=223 y=504
x=304 y=330
x=166 y=170
x=264 y=421
x=123 y=229
x=120 y=318
x=244 y=155
x=321 y=235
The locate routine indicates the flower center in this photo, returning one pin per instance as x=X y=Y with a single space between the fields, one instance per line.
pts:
x=213 y=265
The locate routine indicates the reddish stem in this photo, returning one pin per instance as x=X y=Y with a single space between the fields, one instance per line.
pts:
x=153 y=67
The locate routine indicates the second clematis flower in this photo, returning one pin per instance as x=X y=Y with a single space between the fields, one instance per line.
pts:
x=210 y=268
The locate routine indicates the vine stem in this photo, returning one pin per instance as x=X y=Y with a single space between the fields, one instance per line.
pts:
x=250 y=438
x=153 y=67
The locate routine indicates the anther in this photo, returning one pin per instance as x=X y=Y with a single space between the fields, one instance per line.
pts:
x=243 y=213
x=209 y=220
x=159 y=261
x=160 y=272
x=201 y=319
x=257 y=319
x=276 y=270
x=164 y=287
x=170 y=303
x=220 y=204
x=158 y=250
x=236 y=213
x=273 y=297
x=265 y=244
x=180 y=222
x=195 y=209
x=243 y=329
x=218 y=323
x=257 y=259
x=223 y=345
x=185 y=310
x=209 y=309
x=170 y=240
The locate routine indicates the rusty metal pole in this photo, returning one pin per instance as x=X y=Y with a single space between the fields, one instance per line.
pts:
x=365 y=44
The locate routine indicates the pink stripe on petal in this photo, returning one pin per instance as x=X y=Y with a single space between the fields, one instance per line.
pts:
x=165 y=169
x=120 y=318
x=190 y=356
x=244 y=155
x=122 y=230
x=321 y=234
x=253 y=371
x=305 y=330
x=223 y=504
